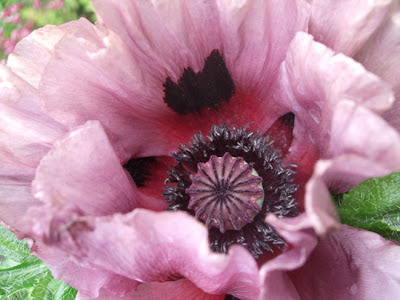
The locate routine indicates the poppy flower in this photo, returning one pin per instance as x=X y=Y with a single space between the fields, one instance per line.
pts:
x=187 y=150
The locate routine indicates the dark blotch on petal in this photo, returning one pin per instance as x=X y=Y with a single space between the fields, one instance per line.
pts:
x=230 y=297
x=282 y=132
x=139 y=169
x=288 y=119
x=197 y=91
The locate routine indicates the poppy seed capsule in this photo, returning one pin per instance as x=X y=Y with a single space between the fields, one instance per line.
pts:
x=225 y=193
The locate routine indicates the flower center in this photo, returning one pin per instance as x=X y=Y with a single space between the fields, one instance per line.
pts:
x=230 y=181
x=225 y=193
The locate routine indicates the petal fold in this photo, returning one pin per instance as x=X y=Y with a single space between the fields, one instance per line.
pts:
x=82 y=172
x=350 y=264
x=160 y=246
x=298 y=233
x=346 y=25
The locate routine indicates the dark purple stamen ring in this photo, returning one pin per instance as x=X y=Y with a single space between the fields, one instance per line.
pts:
x=259 y=153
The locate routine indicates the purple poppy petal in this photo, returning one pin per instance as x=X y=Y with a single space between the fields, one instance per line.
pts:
x=359 y=131
x=32 y=135
x=312 y=80
x=350 y=264
x=346 y=25
x=125 y=93
x=151 y=246
x=181 y=289
x=356 y=158
x=32 y=53
x=298 y=234
x=256 y=35
x=91 y=282
x=82 y=170
x=380 y=56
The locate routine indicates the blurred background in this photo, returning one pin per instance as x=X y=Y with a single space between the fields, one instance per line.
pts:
x=20 y=17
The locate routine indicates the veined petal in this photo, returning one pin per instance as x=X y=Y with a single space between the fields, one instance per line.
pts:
x=380 y=56
x=32 y=53
x=273 y=275
x=337 y=175
x=81 y=175
x=312 y=80
x=151 y=246
x=181 y=289
x=357 y=130
x=350 y=264
x=26 y=134
x=256 y=36
x=91 y=282
x=346 y=25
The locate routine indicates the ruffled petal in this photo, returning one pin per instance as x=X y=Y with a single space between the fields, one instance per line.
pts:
x=252 y=35
x=350 y=264
x=161 y=246
x=336 y=175
x=298 y=234
x=380 y=56
x=312 y=81
x=256 y=35
x=32 y=53
x=181 y=289
x=117 y=76
x=346 y=25
x=21 y=118
x=82 y=173
x=357 y=130
x=363 y=145
x=91 y=282
x=26 y=134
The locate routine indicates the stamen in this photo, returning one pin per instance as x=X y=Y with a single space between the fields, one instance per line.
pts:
x=231 y=181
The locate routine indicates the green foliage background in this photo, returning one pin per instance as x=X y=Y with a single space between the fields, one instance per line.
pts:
x=72 y=10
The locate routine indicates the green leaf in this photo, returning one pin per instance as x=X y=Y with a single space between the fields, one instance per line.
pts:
x=24 y=276
x=11 y=247
x=374 y=205
x=50 y=289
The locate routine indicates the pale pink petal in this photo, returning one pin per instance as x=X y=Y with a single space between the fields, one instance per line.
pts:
x=298 y=234
x=347 y=24
x=256 y=35
x=15 y=197
x=26 y=134
x=91 y=282
x=82 y=173
x=350 y=264
x=312 y=80
x=380 y=55
x=159 y=246
x=244 y=31
x=32 y=53
x=181 y=289
x=357 y=130
x=362 y=145
x=121 y=81
x=101 y=81
x=336 y=175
